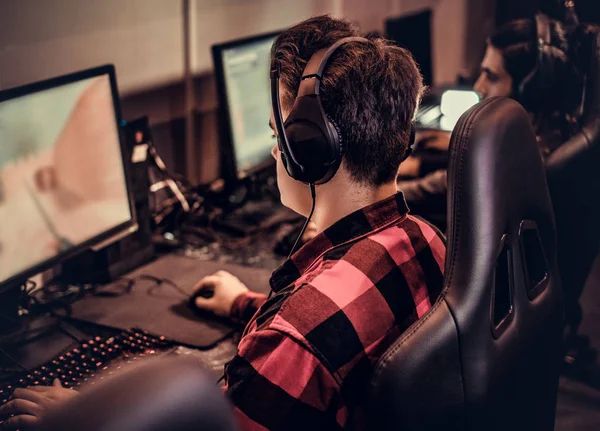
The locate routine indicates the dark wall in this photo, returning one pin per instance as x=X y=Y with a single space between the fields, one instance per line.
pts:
x=507 y=10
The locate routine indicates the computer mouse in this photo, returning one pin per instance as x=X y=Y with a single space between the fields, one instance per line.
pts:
x=204 y=293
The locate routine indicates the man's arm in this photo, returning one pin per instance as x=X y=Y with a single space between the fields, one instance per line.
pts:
x=276 y=383
x=246 y=305
x=431 y=187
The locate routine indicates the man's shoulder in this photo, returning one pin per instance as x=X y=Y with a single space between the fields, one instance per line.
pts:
x=376 y=255
x=346 y=272
x=337 y=297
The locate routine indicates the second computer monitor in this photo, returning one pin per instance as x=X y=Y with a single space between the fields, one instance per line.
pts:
x=242 y=75
x=413 y=32
x=63 y=178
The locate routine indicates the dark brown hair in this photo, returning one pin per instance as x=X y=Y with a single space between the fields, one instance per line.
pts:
x=517 y=41
x=370 y=90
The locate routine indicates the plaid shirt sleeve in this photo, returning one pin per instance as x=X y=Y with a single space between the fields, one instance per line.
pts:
x=245 y=306
x=275 y=382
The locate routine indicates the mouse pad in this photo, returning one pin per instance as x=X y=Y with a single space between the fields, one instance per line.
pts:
x=162 y=308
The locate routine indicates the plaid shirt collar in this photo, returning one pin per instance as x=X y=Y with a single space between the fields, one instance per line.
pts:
x=350 y=228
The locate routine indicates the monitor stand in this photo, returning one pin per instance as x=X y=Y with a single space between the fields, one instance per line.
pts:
x=105 y=264
x=9 y=308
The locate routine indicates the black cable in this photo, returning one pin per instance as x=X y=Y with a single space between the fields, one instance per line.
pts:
x=108 y=289
x=58 y=290
x=159 y=281
x=313 y=193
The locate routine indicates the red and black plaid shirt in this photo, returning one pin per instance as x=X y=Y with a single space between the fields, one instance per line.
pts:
x=307 y=354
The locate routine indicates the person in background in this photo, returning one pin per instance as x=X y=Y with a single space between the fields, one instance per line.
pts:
x=510 y=57
x=509 y=60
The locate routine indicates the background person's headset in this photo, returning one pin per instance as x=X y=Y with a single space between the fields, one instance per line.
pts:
x=310 y=142
x=536 y=86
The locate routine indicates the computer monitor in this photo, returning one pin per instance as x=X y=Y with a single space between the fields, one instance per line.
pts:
x=413 y=32
x=443 y=114
x=63 y=179
x=242 y=76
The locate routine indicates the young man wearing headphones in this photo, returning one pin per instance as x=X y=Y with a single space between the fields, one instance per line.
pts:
x=342 y=118
x=339 y=302
x=528 y=60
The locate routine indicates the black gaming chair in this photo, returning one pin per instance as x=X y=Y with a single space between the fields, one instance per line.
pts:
x=574 y=183
x=487 y=355
x=175 y=394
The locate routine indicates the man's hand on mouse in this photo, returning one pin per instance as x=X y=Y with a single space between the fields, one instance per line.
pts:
x=226 y=288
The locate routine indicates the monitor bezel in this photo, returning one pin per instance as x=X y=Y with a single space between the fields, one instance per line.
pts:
x=427 y=70
x=13 y=93
x=228 y=163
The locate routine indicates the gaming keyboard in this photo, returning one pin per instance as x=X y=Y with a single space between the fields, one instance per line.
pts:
x=91 y=361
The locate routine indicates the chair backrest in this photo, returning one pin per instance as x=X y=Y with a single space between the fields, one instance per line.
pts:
x=487 y=354
x=171 y=394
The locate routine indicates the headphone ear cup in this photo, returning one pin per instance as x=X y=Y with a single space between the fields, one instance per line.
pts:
x=336 y=134
x=335 y=143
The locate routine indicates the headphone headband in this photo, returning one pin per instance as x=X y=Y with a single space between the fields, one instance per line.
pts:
x=310 y=82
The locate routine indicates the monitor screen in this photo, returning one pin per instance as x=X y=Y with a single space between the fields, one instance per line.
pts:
x=444 y=115
x=62 y=174
x=454 y=103
x=242 y=72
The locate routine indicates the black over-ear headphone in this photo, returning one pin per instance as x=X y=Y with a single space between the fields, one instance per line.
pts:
x=549 y=61
x=310 y=142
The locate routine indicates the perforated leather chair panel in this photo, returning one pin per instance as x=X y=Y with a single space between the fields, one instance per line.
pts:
x=499 y=334
x=435 y=387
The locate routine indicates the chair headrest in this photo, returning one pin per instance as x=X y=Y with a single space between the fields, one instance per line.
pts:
x=160 y=394
x=486 y=355
x=495 y=181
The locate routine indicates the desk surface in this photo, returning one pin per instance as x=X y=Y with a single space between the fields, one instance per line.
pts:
x=164 y=310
